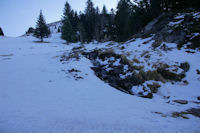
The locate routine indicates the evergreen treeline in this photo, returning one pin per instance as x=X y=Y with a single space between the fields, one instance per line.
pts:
x=129 y=18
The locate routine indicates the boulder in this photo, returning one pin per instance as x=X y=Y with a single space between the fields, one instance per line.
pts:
x=198 y=71
x=30 y=30
x=181 y=101
x=154 y=87
x=1 y=32
x=185 y=66
x=149 y=95
x=198 y=98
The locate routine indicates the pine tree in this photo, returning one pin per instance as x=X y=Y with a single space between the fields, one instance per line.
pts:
x=67 y=29
x=97 y=24
x=104 y=24
x=89 y=23
x=112 y=27
x=82 y=33
x=155 y=8
x=121 y=19
x=41 y=31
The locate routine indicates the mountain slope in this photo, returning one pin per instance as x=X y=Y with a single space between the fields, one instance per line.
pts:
x=41 y=94
x=55 y=27
x=53 y=87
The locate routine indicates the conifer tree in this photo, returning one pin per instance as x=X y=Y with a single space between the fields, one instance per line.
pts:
x=97 y=24
x=41 y=31
x=121 y=19
x=82 y=33
x=104 y=24
x=89 y=20
x=112 y=27
x=67 y=29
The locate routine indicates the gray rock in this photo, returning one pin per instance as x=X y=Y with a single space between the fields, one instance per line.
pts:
x=1 y=32
x=181 y=101
x=198 y=98
x=185 y=66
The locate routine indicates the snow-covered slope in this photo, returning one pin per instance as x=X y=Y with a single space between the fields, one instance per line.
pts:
x=55 y=27
x=38 y=93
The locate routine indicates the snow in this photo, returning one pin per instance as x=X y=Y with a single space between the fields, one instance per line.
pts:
x=176 y=23
x=117 y=62
x=180 y=17
x=194 y=35
x=196 y=15
x=55 y=26
x=37 y=96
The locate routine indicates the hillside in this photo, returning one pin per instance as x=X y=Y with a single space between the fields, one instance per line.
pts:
x=147 y=84
x=55 y=27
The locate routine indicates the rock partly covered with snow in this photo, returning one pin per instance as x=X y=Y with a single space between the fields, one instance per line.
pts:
x=182 y=28
x=1 y=32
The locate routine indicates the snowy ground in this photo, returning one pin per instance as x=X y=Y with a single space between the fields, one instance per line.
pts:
x=38 y=95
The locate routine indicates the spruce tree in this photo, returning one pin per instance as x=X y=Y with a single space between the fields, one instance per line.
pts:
x=89 y=23
x=82 y=33
x=112 y=27
x=104 y=24
x=97 y=24
x=121 y=19
x=41 y=31
x=67 y=29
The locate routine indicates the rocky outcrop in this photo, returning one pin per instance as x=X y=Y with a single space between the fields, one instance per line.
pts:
x=1 y=32
x=181 y=101
x=120 y=73
x=30 y=31
x=181 y=28
x=198 y=98
x=185 y=66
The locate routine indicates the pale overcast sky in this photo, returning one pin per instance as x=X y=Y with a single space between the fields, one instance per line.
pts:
x=17 y=15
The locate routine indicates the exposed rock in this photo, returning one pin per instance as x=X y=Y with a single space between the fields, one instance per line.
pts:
x=152 y=75
x=198 y=98
x=179 y=114
x=73 y=70
x=170 y=75
x=185 y=66
x=120 y=73
x=181 y=101
x=192 y=111
x=70 y=56
x=154 y=87
x=198 y=71
x=168 y=28
x=185 y=82
x=30 y=31
x=1 y=32
x=149 y=95
x=188 y=51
